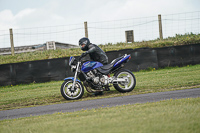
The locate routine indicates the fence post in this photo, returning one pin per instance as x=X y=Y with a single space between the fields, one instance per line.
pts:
x=129 y=36
x=160 y=26
x=12 y=43
x=86 y=29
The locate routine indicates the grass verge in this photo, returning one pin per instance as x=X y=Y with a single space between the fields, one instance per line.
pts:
x=175 y=78
x=180 y=115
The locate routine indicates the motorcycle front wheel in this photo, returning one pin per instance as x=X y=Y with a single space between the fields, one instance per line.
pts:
x=129 y=83
x=68 y=93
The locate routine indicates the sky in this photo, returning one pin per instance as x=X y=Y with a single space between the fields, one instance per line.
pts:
x=56 y=17
x=35 y=13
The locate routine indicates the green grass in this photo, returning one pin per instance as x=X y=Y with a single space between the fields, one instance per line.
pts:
x=150 y=81
x=60 y=53
x=180 y=115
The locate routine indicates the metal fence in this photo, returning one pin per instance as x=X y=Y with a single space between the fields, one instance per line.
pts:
x=145 y=28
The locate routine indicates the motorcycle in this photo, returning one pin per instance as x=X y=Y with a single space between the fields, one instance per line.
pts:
x=96 y=77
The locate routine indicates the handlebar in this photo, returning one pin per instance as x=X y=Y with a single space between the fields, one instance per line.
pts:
x=79 y=59
x=82 y=55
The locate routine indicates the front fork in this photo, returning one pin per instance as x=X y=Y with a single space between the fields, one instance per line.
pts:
x=75 y=76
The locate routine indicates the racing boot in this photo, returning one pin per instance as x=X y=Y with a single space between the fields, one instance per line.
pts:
x=98 y=93
x=107 y=88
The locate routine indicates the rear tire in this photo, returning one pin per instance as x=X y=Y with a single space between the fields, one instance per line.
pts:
x=68 y=94
x=127 y=86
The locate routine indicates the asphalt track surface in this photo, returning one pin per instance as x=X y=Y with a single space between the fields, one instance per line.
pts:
x=90 y=104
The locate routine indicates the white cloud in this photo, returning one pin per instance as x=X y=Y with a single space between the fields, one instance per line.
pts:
x=6 y=15
x=24 y=13
x=37 y=18
x=6 y=19
x=58 y=12
x=29 y=18
x=146 y=8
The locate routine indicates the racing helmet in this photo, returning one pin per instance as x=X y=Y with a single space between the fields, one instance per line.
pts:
x=84 y=41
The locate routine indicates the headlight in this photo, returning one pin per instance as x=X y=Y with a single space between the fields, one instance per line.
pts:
x=73 y=68
x=71 y=60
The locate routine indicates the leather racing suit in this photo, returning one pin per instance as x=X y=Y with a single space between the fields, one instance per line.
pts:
x=97 y=54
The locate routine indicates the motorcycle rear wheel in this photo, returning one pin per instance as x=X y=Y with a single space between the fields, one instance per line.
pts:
x=70 y=94
x=127 y=86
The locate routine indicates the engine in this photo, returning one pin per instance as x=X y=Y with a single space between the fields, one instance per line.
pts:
x=97 y=78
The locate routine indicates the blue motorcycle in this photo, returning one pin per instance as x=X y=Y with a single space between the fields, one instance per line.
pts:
x=96 y=77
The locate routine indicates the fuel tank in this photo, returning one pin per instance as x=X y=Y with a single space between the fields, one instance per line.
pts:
x=90 y=65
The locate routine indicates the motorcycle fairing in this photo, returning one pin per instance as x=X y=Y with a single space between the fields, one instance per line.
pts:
x=124 y=59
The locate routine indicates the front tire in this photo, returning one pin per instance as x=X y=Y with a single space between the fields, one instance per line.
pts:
x=130 y=83
x=68 y=94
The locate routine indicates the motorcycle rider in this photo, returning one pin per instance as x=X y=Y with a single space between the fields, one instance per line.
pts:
x=95 y=53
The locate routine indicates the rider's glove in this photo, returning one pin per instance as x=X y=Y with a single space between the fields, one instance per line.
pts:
x=83 y=54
